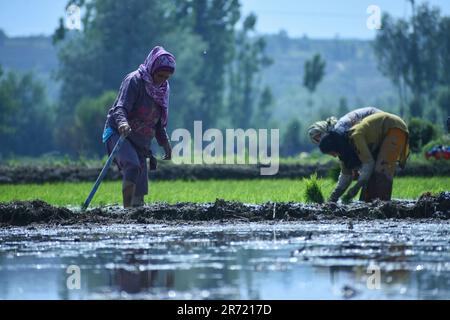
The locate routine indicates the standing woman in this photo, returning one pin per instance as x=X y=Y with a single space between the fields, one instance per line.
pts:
x=140 y=112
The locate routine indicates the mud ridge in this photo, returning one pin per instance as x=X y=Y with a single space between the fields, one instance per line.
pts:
x=23 y=213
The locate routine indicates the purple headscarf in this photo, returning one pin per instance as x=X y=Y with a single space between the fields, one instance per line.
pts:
x=156 y=60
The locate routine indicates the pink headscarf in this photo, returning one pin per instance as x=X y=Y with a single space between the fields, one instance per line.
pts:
x=158 y=59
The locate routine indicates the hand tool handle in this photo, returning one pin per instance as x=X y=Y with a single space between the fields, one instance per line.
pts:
x=104 y=171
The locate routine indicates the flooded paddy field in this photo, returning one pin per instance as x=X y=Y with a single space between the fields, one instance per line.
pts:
x=339 y=257
x=276 y=260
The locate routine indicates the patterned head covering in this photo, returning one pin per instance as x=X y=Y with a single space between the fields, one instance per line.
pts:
x=158 y=59
x=319 y=128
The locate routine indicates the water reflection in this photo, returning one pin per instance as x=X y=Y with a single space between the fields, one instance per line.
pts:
x=137 y=281
x=248 y=261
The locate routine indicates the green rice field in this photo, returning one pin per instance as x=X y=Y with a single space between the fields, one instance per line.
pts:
x=248 y=191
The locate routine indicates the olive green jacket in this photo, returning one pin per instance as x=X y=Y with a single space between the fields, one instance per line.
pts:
x=368 y=135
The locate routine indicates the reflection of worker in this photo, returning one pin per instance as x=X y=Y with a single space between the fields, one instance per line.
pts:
x=140 y=112
x=373 y=146
x=137 y=281
x=448 y=124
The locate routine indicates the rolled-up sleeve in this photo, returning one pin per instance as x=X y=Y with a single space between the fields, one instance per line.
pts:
x=125 y=100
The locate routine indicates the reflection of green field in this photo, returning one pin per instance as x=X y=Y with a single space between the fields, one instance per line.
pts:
x=250 y=191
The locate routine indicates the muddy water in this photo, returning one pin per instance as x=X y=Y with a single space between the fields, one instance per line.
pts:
x=379 y=259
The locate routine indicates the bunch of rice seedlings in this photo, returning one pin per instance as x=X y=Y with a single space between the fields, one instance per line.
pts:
x=313 y=190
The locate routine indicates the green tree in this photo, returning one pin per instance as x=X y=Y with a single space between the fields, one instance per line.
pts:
x=391 y=45
x=444 y=52
x=116 y=38
x=89 y=123
x=26 y=122
x=292 y=144
x=423 y=78
x=408 y=53
x=420 y=133
x=8 y=104
x=314 y=72
x=249 y=59
x=264 y=113
x=443 y=101
x=214 y=22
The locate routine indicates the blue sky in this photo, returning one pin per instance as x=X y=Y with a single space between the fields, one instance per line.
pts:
x=327 y=18
x=317 y=18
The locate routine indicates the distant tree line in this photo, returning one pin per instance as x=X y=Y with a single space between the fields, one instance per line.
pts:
x=415 y=55
x=26 y=115
x=216 y=81
x=218 y=76
x=217 y=64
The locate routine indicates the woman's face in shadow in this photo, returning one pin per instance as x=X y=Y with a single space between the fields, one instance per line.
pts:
x=316 y=138
x=161 y=76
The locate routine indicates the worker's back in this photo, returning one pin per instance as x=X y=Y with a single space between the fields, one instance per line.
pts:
x=375 y=127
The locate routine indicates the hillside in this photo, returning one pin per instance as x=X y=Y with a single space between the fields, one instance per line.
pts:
x=351 y=72
x=35 y=54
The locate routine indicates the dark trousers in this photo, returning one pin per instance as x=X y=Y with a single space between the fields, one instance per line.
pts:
x=132 y=165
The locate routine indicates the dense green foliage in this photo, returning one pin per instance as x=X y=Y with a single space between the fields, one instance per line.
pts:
x=215 y=81
x=414 y=55
x=351 y=73
x=227 y=75
x=26 y=116
x=210 y=51
x=293 y=139
x=89 y=118
x=242 y=93
x=421 y=132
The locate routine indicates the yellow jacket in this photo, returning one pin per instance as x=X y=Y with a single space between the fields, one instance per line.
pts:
x=368 y=135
